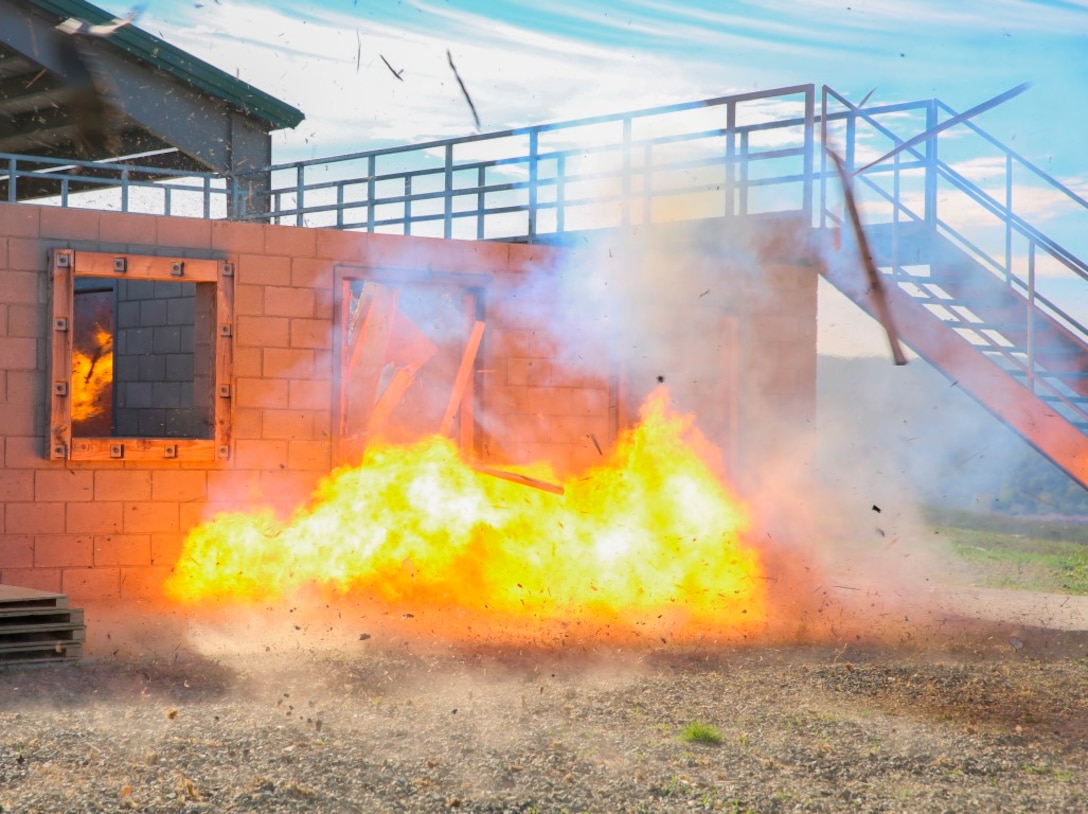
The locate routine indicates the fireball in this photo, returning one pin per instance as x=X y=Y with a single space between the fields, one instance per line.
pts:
x=92 y=376
x=650 y=541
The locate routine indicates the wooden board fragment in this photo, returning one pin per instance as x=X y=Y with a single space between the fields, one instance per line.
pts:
x=464 y=373
x=60 y=375
x=223 y=397
x=361 y=376
x=876 y=283
x=410 y=344
x=515 y=477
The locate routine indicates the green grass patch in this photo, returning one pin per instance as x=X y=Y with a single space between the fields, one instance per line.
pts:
x=1003 y=552
x=1070 y=530
x=701 y=733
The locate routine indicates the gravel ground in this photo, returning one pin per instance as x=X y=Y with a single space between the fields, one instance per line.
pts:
x=974 y=719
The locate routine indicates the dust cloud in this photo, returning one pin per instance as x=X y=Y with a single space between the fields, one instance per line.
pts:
x=724 y=320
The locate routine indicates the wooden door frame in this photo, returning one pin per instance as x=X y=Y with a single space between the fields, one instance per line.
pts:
x=473 y=287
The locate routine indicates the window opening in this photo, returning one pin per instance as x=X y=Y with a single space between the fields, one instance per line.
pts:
x=145 y=344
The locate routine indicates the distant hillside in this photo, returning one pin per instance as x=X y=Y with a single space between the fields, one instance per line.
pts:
x=910 y=423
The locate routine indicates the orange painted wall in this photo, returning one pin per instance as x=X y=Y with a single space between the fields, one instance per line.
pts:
x=113 y=529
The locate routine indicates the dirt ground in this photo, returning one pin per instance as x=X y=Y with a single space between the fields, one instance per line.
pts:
x=967 y=701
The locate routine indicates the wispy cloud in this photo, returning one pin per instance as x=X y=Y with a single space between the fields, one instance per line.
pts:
x=331 y=68
x=529 y=61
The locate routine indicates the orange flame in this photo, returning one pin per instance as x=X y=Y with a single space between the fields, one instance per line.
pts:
x=92 y=376
x=650 y=538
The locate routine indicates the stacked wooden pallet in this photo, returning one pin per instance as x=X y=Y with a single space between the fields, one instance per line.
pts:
x=38 y=626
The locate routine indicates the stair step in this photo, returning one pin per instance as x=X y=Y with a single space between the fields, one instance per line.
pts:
x=1040 y=351
x=1079 y=401
x=38 y=627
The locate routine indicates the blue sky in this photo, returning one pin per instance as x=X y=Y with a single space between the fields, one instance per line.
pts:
x=534 y=61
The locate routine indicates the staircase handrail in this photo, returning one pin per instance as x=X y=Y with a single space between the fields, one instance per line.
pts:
x=1036 y=170
x=1038 y=238
x=1026 y=229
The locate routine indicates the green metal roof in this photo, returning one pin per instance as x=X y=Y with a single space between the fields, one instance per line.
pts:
x=162 y=55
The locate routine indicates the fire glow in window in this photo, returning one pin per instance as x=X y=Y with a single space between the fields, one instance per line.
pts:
x=141 y=357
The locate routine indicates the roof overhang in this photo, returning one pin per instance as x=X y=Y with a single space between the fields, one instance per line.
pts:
x=191 y=114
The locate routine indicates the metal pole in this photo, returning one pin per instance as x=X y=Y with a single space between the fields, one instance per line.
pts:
x=1031 y=316
x=1008 y=220
x=371 y=168
x=823 y=159
x=447 y=225
x=300 y=182
x=743 y=202
x=533 y=172
x=896 y=179
x=730 y=156
x=931 y=166
x=810 y=104
x=481 y=199
x=648 y=184
x=560 y=187
x=625 y=210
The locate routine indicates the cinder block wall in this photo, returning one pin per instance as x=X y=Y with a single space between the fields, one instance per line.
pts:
x=155 y=361
x=113 y=529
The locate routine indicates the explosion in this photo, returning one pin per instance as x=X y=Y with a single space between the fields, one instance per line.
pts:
x=92 y=377
x=647 y=543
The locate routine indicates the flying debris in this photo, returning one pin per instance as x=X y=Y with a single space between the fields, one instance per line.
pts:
x=93 y=110
x=1001 y=98
x=391 y=70
x=464 y=91
x=876 y=283
x=74 y=25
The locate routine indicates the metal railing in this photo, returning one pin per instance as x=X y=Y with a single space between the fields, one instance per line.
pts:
x=123 y=186
x=737 y=154
x=732 y=155
x=741 y=154
x=969 y=188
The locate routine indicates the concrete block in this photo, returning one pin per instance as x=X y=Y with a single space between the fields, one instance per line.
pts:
x=63 y=550
x=93 y=518
x=122 y=485
x=82 y=584
x=63 y=485
x=180 y=485
x=264 y=332
x=144 y=517
x=167 y=339
x=16 y=551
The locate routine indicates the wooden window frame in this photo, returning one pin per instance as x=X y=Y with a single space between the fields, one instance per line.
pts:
x=66 y=266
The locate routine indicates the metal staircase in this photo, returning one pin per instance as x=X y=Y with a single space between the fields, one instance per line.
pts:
x=968 y=275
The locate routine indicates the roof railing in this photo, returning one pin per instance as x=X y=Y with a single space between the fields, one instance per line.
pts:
x=740 y=154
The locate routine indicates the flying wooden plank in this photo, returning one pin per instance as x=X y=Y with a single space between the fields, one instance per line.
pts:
x=516 y=477
x=464 y=372
x=876 y=283
x=407 y=338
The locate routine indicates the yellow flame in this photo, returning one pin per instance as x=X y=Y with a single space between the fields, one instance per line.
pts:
x=92 y=376
x=650 y=534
